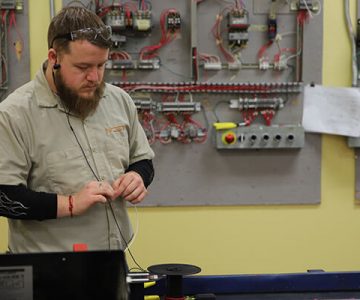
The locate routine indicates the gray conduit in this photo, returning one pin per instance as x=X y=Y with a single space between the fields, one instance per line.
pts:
x=52 y=8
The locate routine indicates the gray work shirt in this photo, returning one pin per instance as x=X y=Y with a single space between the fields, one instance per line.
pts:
x=39 y=150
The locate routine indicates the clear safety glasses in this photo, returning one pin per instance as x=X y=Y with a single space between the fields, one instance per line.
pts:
x=90 y=34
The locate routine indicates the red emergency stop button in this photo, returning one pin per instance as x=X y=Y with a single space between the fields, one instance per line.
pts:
x=229 y=138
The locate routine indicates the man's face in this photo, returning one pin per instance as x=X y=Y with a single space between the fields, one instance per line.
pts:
x=79 y=81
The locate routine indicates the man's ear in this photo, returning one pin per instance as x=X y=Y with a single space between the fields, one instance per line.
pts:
x=52 y=57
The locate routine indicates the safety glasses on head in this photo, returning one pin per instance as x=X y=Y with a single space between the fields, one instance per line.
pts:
x=90 y=34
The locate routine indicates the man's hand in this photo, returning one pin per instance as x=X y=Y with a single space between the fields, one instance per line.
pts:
x=130 y=186
x=93 y=192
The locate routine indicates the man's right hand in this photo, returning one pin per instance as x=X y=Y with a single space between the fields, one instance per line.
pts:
x=93 y=192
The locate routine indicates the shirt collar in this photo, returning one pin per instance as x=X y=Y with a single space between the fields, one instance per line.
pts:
x=44 y=95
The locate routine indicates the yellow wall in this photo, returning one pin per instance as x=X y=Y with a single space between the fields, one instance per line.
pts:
x=259 y=239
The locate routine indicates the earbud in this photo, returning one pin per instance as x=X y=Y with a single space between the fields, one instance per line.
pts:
x=56 y=66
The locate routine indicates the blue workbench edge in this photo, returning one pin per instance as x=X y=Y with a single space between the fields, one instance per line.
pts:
x=266 y=283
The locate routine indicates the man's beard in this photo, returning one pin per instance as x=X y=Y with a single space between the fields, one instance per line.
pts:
x=80 y=106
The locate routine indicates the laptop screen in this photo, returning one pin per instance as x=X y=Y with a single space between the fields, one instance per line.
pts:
x=63 y=275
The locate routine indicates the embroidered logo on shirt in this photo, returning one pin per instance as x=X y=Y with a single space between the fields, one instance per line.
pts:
x=119 y=128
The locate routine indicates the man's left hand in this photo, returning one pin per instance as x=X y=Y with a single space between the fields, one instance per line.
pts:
x=131 y=187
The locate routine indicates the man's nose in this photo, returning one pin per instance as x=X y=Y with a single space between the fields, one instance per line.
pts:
x=93 y=75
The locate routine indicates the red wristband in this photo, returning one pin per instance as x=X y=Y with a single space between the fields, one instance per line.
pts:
x=71 y=206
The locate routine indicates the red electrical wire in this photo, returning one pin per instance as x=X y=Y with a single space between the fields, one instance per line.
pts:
x=302 y=17
x=147 y=120
x=167 y=36
x=217 y=33
x=268 y=116
x=263 y=49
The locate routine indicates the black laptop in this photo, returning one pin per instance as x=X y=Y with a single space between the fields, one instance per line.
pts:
x=63 y=275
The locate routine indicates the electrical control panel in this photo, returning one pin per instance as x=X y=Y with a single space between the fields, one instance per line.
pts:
x=14 y=52
x=222 y=42
x=196 y=68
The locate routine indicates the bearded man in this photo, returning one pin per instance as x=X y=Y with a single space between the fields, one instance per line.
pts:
x=72 y=150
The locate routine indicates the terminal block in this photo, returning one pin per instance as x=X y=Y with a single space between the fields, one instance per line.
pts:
x=261 y=137
x=119 y=60
x=142 y=20
x=148 y=64
x=212 y=66
x=144 y=104
x=217 y=66
x=313 y=5
x=120 y=64
x=259 y=88
x=257 y=103
x=177 y=107
x=234 y=66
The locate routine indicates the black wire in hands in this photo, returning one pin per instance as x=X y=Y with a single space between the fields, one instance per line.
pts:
x=107 y=200
x=122 y=236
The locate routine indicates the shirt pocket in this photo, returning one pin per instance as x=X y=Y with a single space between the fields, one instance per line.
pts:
x=68 y=170
x=117 y=135
x=116 y=150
